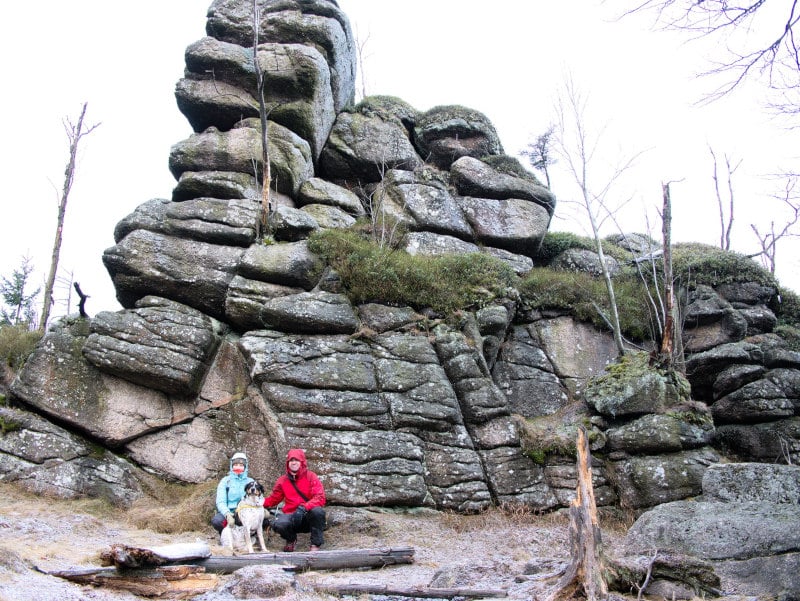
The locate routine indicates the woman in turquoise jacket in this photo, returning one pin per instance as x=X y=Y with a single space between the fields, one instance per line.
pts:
x=230 y=491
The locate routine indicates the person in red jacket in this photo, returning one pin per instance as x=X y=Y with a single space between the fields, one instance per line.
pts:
x=304 y=499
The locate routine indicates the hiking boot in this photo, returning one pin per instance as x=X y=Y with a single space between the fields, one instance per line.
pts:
x=313 y=548
x=289 y=547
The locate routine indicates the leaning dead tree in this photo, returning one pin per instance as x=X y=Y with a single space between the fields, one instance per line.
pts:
x=75 y=132
x=586 y=574
x=263 y=115
x=671 y=348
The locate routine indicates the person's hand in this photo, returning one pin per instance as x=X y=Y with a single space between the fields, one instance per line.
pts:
x=297 y=516
x=231 y=520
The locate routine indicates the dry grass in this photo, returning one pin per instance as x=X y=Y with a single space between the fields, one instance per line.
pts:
x=176 y=508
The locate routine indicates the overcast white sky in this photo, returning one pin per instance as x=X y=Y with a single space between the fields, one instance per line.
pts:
x=505 y=58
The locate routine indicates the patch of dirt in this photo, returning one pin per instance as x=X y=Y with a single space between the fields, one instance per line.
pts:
x=486 y=551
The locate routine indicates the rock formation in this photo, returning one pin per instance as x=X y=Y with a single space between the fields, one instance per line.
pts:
x=228 y=343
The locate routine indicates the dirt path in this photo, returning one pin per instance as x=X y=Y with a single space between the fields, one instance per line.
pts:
x=482 y=551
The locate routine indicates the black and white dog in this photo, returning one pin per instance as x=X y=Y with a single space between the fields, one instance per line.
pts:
x=250 y=512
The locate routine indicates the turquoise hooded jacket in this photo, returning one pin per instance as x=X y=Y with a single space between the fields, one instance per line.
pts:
x=230 y=489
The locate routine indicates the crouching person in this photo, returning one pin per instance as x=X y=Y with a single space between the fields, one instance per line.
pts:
x=230 y=491
x=304 y=499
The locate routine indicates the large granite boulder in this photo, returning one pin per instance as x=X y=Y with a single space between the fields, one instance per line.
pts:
x=650 y=480
x=513 y=224
x=160 y=344
x=194 y=273
x=228 y=222
x=446 y=133
x=526 y=375
x=427 y=202
x=315 y=312
x=240 y=149
x=217 y=184
x=736 y=482
x=747 y=526
x=221 y=88
x=766 y=442
x=198 y=450
x=585 y=261
x=51 y=461
x=316 y=23
x=317 y=191
x=365 y=147
x=59 y=382
x=710 y=321
x=473 y=177
x=632 y=387
x=653 y=433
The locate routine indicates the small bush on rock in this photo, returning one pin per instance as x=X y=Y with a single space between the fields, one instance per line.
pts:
x=555 y=243
x=585 y=297
x=16 y=344
x=695 y=264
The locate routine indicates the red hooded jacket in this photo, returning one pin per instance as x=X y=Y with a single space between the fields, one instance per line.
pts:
x=307 y=481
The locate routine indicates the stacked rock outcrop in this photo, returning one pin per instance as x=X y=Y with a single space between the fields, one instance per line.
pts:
x=230 y=343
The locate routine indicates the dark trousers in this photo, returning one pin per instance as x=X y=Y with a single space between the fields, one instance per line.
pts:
x=313 y=522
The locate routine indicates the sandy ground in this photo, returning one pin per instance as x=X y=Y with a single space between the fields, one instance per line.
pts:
x=486 y=551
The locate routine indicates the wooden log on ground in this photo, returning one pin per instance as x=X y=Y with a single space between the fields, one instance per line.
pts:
x=126 y=556
x=423 y=592
x=318 y=560
x=174 y=582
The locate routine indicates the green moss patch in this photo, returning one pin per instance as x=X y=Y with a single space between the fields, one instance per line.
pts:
x=446 y=283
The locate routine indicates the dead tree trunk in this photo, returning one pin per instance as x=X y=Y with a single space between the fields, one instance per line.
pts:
x=263 y=115
x=586 y=572
x=74 y=135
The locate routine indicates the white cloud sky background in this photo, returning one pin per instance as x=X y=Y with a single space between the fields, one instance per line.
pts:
x=506 y=59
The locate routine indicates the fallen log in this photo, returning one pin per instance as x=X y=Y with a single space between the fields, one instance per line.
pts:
x=318 y=560
x=126 y=556
x=420 y=591
x=174 y=582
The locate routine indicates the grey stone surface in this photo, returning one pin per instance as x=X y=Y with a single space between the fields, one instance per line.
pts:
x=310 y=313
x=718 y=531
x=194 y=273
x=228 y=222
x=240 y=148
x=59 y=382
x=768 y=483
x=160 y=344
x=648 y=481
x=319 y=191
x=48 y=460
x=365 y=147
x=514 y=225
x=316 y=23
x=473 y=177
x=447 y=133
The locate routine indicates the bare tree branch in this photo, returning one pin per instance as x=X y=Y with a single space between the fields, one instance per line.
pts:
x=759 y=39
